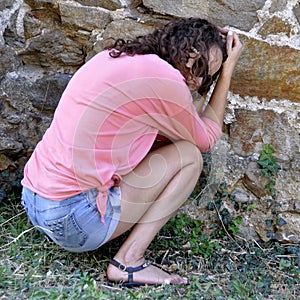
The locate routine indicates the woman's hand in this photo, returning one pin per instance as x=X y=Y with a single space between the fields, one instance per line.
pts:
x=216 y=105
x=234 y=50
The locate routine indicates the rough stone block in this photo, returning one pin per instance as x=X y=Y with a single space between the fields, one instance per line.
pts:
x=240 y=14
x=108 y=4
x=126 y=29
x=266 y=71
x=252 y=129
x=83 y=17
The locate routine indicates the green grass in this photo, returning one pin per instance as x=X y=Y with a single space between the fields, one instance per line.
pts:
x=218 y=266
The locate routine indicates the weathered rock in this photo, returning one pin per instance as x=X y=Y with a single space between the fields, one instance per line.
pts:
x=247 y=230
x=9 y=61
x=53 y=51
x=36 y=21
x=297 y=12
x=179 y=8
x=240 y=195
x=267 y=71
x=43 y=92
x=83 y=17
x=108 y=4
x=288 y=190
x=288 y=227
x=5 y=162
x=134 y=3
x=278 y=5
x=240 y=14
x=41 y=4
x=254 y=181
x=263 y=224
x=6 y=4
x=10 y=145
x=27 y=105
x=252 y=129
x=126 y=29
x=50 y=89
x=7 y=18
x=274 y=26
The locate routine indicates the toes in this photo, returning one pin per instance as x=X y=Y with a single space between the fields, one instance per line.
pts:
x=176 y=279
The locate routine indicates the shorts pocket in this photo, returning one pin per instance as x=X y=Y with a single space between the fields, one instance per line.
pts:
x=66 y=232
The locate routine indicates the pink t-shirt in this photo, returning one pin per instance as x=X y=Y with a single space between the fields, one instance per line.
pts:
x=106 y=122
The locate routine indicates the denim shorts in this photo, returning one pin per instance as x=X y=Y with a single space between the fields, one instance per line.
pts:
x=74 y=223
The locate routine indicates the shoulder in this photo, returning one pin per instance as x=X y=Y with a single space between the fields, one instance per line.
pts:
x=154 y=65
x=145 y=76
x=142 y=64
x=148 y=65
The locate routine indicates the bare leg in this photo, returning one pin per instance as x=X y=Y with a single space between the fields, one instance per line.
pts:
x=151 y=194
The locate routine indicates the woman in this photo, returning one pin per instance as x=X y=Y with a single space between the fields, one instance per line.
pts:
x=103 y=166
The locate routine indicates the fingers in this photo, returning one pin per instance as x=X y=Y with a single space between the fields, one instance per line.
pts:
x=223 y=34
x=229 y=41
x=234 y=47
x=223 y=30
x=233 y=41
x=228 y=37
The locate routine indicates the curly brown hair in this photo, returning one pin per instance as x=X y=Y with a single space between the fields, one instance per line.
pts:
x=174 y=43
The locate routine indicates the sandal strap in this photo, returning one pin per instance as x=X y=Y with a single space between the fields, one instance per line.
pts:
x=124 y=268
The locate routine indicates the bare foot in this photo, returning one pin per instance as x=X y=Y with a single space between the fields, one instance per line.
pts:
x=149 y=275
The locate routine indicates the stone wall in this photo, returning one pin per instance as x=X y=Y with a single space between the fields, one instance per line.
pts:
x=43 y=42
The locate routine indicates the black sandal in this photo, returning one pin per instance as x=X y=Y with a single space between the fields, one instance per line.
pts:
x=130 y=270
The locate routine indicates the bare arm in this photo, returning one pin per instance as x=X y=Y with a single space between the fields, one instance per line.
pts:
x=217 y=103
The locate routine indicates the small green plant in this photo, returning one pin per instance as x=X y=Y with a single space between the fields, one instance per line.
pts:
x=267 y=161
x=284 y=263
x=234 y=225
x=203 y=245
x=269 y=167
x=183 y=229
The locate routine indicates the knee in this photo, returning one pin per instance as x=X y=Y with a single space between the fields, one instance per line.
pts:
x=190 y=156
